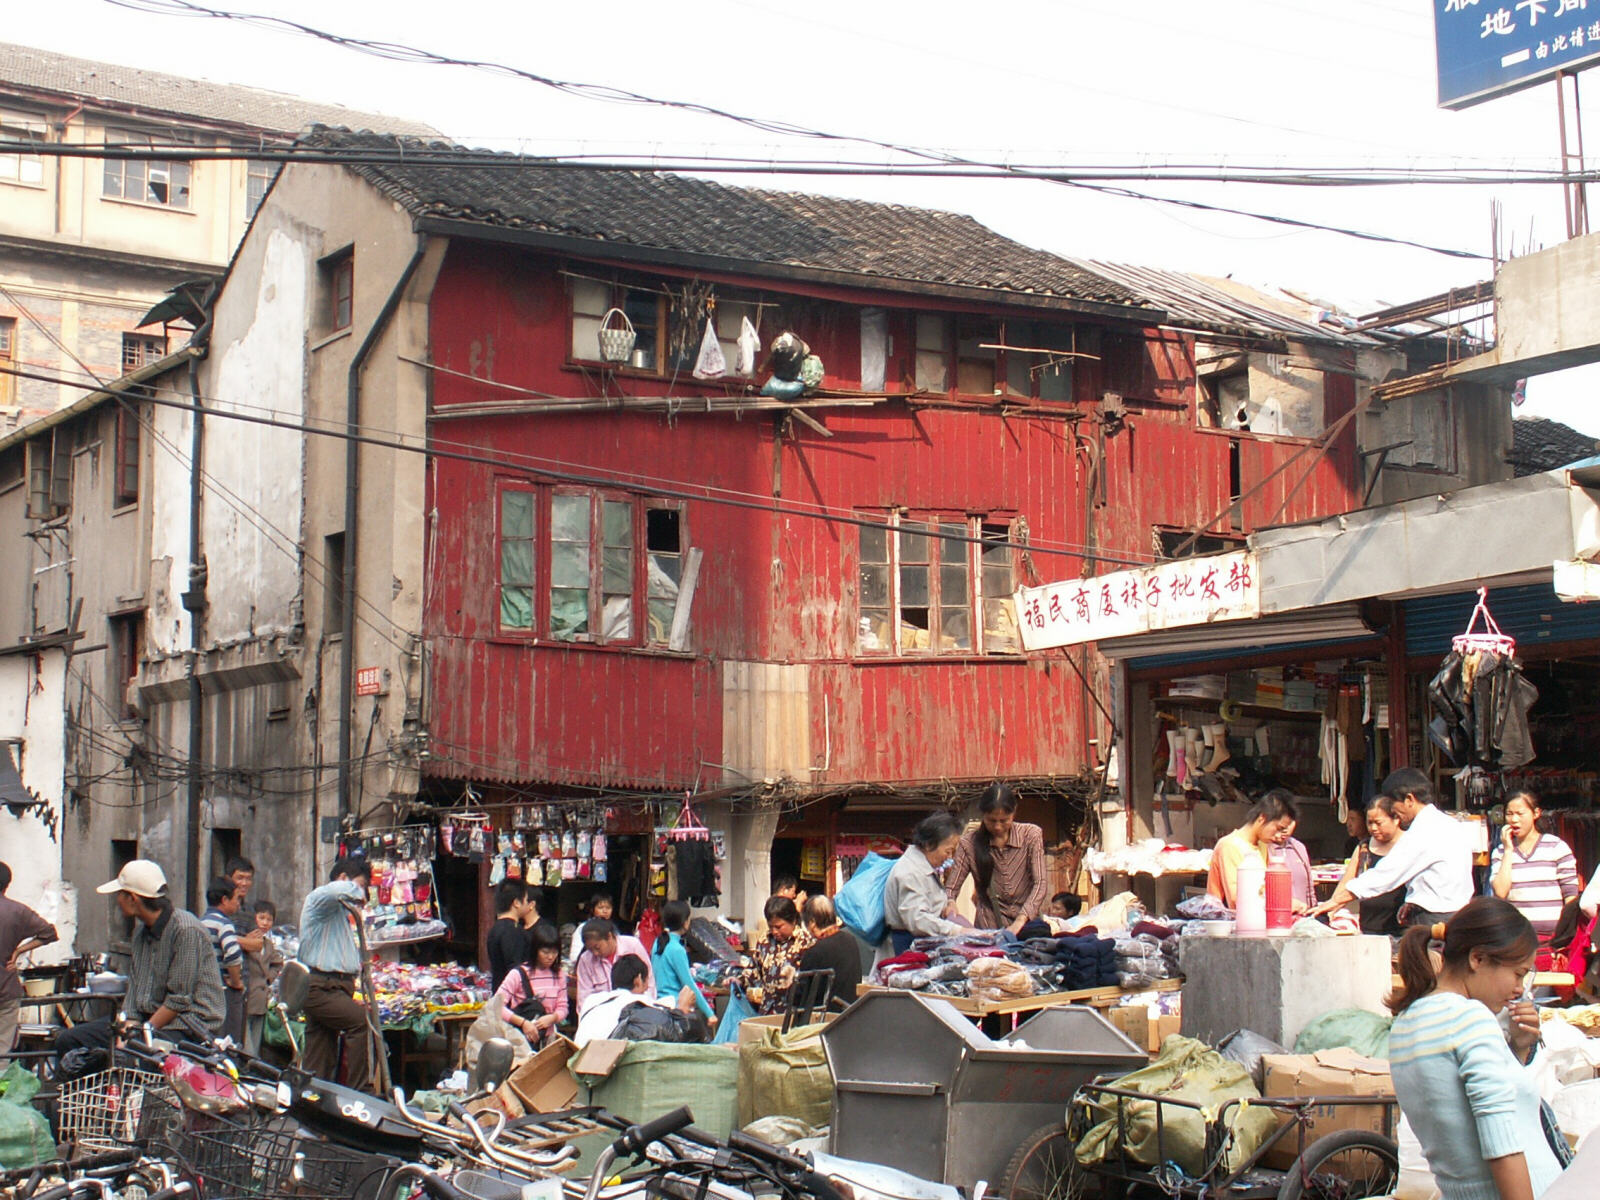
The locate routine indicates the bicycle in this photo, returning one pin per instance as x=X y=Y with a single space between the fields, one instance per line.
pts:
x=1347 y=1165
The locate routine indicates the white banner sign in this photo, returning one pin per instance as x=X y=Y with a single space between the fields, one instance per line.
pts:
x=1192 y=591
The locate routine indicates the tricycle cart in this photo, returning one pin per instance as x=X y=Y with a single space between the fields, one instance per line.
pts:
x=1351 y=1164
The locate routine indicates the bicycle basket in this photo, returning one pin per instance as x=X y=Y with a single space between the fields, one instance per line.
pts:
x=277 y=1160
x=106 y=1110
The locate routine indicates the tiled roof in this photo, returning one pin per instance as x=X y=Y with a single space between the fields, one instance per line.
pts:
x=23 y=67
x=693 y=217
x=1538 y=444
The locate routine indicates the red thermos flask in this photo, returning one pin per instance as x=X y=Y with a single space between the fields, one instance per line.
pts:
x=1280 y=894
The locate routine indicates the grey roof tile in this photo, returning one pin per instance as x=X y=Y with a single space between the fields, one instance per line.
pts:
x=1539 y=444
x=677 y=213
x=23 y=67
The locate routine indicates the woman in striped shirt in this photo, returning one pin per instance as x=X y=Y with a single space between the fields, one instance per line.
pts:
x=1535 y=871
x=543 y=978
x=1005 y=858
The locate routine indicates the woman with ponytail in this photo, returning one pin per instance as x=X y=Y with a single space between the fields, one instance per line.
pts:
x=1460 y=1079
x=669 y=961
x=1005 y=858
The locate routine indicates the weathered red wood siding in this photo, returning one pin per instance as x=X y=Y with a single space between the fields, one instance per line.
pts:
x=780 y=587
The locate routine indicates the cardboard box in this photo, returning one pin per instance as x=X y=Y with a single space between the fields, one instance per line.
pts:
x=1338 y=1072
x=1133 y=1022
x=752 y=1028
x=599 y=1057
x=543 y=1084
x=1161 y=1028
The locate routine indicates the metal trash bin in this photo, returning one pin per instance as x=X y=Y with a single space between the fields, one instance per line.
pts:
x=919 y=1087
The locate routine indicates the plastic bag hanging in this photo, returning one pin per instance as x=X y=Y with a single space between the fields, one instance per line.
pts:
x=749 y=347
x=712 y=363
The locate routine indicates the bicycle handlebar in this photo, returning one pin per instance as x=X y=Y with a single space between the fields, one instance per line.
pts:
x=636 y=1137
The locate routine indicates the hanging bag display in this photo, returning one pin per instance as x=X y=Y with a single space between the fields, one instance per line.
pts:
x=711 y=363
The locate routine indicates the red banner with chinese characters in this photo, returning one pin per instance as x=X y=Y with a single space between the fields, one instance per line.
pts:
x=1191 y=591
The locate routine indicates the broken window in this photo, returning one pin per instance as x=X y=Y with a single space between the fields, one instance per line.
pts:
x=140 y=349
x=126 y=648
x=1038 y=361
x=933 y=352
x=570 y=536
x=999 y=583
x=145 y=180
x=8 y=361
x=664 y=567
x=916 y=590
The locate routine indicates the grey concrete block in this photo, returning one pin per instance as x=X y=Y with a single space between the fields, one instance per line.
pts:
x=1277 y=986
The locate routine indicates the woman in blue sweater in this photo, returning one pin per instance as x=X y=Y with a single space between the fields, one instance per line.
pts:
x=1460 y=1080
x=670 y=961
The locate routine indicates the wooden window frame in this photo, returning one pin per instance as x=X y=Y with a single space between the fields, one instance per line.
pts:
x=8 y=361
x=257 y=170
x=931 y=524
x=141 y=349
x=128 y=457
x=49 y=475
x=18 y=127
x=342 y=292
x=535 y=495
x=956 y=326
x=127 y=633
x=544 y=502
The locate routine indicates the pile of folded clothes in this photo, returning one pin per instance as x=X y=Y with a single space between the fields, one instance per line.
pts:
x=1071 y=963
x=1148 y=954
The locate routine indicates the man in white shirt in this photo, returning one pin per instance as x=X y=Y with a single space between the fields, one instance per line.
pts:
x=630 y=984
x=1433 y=861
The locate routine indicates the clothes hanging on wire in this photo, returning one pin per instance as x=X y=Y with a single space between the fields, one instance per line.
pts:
x=694 y=873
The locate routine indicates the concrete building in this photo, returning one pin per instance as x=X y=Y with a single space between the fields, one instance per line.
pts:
x=87 y=246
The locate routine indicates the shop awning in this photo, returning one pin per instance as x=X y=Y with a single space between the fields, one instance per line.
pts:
x=1332 y=625
x=1510 y=532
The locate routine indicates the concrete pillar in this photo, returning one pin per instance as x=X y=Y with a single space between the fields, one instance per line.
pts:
x=1276 y=986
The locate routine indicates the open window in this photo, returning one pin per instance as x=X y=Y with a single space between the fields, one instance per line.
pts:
x=166 y=184
x=931 y=584
x=125 y=486
x=50 y=474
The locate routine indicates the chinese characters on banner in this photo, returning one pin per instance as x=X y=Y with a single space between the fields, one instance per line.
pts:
x=1487 y=48
x=1192 y=591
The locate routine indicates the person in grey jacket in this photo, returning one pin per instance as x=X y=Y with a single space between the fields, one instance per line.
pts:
x=914 y=902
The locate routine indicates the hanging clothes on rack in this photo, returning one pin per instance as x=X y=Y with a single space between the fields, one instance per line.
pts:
x=1481 y=698
x=692 y=861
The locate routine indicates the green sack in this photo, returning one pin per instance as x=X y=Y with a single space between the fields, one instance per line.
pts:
x=25 y=1139
x=653 y=1078
x=18 y=1085
x=786 y=1075
x=1364 y=1032
x=1184 y=1070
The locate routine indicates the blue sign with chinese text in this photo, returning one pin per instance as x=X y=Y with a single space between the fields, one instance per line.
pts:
x=1488 y=48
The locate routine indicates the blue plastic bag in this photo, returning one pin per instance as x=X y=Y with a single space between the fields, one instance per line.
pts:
x=860 y=902
x=738 y=1009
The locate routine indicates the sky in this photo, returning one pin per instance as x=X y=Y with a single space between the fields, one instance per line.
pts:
x=1143 y=83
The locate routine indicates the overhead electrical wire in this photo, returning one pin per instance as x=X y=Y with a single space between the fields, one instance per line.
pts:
x=401 y=52
x=413 y=153
x=596 y=477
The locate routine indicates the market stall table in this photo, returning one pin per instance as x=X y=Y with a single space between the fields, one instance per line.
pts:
x=1101 y=997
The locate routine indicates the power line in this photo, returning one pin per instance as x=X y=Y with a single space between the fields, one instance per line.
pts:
x=590 y=478
x=412 y=153
x=400 y=52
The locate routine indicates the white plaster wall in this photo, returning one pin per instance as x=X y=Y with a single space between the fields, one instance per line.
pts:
x=168 y=621
x=257 y=363
x=32 y=709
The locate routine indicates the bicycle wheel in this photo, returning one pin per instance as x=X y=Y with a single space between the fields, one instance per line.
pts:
x=1045 y=1168
x=1349 y=1165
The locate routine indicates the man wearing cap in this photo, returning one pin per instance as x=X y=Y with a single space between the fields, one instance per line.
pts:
x=174 y=980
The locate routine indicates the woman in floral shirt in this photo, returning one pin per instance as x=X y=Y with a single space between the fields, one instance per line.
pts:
x=777 y=956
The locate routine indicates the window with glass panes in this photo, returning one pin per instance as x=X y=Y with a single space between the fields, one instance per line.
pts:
x=933 y=584
x=148 y=181
x=517 y=511
x=570 y=565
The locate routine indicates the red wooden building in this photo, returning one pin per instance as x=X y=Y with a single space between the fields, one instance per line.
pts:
x=642 y=583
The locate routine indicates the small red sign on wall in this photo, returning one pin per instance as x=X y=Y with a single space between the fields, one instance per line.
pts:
x=369 y=681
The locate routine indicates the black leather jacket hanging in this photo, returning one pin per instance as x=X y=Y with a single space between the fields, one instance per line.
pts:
x=1480 y=702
